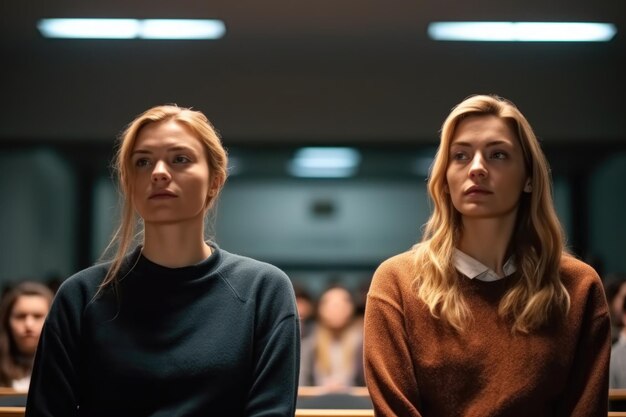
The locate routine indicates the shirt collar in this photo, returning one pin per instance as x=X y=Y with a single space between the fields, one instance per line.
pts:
x=472 y=268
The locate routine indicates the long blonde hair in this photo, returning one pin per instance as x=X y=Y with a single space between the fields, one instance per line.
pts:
x=216 y=156
x=537 y=242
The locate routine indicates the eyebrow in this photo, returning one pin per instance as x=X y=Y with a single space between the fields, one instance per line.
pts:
x=495 y=142
x=176 y=148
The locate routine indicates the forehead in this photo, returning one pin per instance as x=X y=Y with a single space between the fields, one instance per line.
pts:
x=483 y=128
x=30 y=303
x=166 y=134
x=336 y=294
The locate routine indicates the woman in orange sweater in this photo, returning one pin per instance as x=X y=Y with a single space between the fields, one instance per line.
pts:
x=487 y=315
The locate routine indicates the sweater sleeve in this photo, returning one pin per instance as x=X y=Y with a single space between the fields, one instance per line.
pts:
x=588 y=384
x=54 y=383
x=389 y=372
x=276 y=355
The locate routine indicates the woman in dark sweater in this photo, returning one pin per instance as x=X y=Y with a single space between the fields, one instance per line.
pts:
x=175 y=326
x=488 y=316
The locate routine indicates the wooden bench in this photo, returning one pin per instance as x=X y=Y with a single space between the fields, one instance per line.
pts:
x=617 y=394
x=12 y=411
x=334 y=413
x=4 y=391
x=304 y=391
x=19 y=412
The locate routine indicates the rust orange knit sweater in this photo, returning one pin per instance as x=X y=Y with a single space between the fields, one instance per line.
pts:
x=416 y=365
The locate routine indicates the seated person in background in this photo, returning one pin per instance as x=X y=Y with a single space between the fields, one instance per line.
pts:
x=615 y=295
x=617 y=371
x=22 y=313
x=306 y=310
x=332 y=353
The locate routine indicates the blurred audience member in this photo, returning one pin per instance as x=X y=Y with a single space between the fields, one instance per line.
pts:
x=617 y=372
x=615 y=289
x=361 y=298
x=22 y=313
x=332 y=354
x=306 y=310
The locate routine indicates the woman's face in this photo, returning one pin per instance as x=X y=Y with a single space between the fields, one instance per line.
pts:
x=26 y=321
x=170 y=174
x=336 y=308
x=486 y=173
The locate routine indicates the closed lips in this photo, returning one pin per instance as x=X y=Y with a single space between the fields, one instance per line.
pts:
x=162 y=194
x=477 y=189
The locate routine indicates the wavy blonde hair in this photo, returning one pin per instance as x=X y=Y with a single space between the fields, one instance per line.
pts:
x=217 y=159
x=537 y=242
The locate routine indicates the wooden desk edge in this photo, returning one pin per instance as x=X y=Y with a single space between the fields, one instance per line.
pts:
x=333 y=413
x=12 y=411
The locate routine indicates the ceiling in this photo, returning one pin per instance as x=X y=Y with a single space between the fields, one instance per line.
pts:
x=322 y=72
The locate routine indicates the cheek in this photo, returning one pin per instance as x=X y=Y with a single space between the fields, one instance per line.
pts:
x=39 y=327
x=15 y=327
x=450 y=182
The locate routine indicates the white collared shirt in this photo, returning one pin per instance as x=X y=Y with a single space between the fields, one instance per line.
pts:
x=471 y=268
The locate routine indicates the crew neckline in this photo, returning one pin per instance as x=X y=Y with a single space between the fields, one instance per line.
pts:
x=143 y=265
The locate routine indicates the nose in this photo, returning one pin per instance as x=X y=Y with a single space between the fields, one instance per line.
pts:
x=160 y=172
x=477 y=167
x=29 y=323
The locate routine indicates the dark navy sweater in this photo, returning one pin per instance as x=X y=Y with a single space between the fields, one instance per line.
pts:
x=220 y=338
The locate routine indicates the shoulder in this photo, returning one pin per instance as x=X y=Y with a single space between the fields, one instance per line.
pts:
x=247 y=276
x=577 y=274
x=399 y=264
x=83 y=284
x=394 y=276
x=73 y=297
x=583 y=284
x=573 y=267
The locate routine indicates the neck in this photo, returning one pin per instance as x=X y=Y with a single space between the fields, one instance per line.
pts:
x=175 y=245
x=487 y=240
x=24 y=359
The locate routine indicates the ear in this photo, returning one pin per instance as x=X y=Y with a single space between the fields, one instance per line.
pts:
x=215 y=186
x=528 y=187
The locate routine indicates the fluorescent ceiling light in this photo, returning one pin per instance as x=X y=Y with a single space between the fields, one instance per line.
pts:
x=182 y=29
x=132 y=28
x=324 y=163
x=522 y=31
